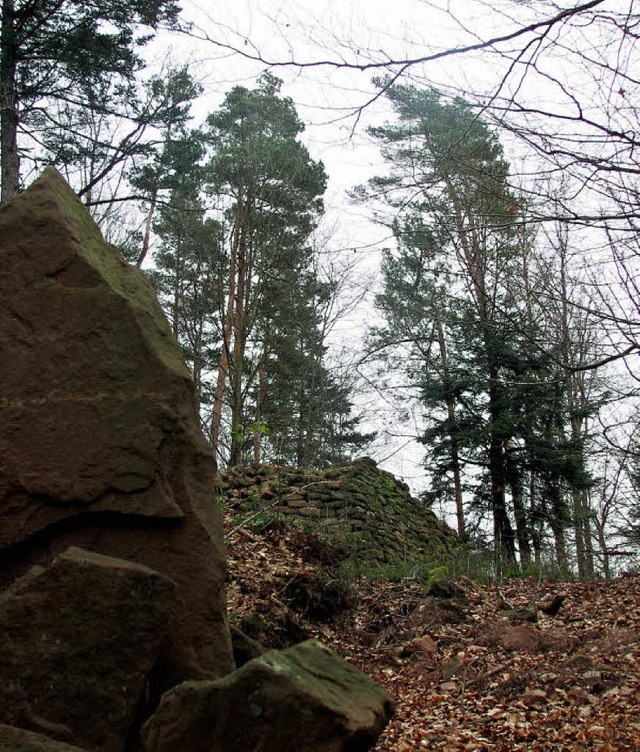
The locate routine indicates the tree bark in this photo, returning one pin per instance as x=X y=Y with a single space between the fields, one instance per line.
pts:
x=453 y=440
x=514 y=478
x=260 y=398
x=503 y=531
x=223 y=365
x=237 y=364
x=9 y=157
x=146 y=242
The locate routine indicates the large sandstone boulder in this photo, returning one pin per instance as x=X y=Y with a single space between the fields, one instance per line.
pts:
x=100 y=444
x=304 y=698
x=79 y=640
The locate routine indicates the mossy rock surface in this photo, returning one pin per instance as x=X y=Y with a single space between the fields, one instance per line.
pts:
x=100 y=440
x=367 y=509
x=303 y=698
x=14 y=739
x=79 y=642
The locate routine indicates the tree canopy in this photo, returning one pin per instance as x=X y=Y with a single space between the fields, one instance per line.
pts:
x=63 y=62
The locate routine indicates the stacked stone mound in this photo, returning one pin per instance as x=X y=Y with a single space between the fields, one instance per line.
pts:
x=357 y=503
x=111 y=555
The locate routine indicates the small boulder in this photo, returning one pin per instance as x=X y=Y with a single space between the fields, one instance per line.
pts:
x=423 y=645
x=305 y=698
x=79 y=640
x=529 y=615
x=522 y=637
x=534 y=696
x=439 y=584
x=14 y=739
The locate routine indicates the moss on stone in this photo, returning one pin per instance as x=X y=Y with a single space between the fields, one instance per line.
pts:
x=124 y=280
x=374 y=512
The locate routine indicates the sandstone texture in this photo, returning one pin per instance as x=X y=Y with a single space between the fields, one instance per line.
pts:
x=100 y=444
x=304 y=698
x=78 y=642
x=19 y=740
x=357 y=503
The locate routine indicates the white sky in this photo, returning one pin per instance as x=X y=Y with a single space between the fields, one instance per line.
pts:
x=348 y=30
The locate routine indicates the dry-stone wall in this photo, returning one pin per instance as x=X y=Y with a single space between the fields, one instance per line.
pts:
x=357 y=503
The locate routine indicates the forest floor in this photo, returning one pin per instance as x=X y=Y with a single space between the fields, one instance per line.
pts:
x=465 y=673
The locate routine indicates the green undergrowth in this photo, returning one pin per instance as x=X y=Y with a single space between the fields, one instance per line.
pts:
x=479 y=566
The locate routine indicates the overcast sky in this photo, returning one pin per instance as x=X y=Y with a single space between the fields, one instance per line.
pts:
x=327 y=100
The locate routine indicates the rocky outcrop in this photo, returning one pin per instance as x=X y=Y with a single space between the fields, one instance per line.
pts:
x=79 y=640
x=304 y=698
x=357 y=503
x=100 y=443
x=111 y=556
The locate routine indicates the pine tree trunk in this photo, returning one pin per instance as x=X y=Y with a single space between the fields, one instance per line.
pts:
x=260 y=398
x=453 y=441
x=223 y=365
x=557 y=523
x=146 y=241
x=474 y=261
x=237 y=364
x=514 y=478
x=9 y=158
x=583 y=535
x=503 y=531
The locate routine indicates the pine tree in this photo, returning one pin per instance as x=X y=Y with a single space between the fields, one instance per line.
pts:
x=270 y=191
x=453 y=165
x=67 y=58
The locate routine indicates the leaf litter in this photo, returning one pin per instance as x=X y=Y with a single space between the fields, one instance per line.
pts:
x=467 y=673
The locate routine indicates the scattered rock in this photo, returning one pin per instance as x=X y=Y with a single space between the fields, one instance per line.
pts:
x=522 y=637
x=424 y=645
x=489 y=633
x=304 y=698
x=452 y=667
x=557 y=638
x=521 y=614
x=534 y=696
x=99 y=435
x=78 y=642
x=578 y=662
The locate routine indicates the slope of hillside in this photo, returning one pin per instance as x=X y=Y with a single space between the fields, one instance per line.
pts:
x=488 y=669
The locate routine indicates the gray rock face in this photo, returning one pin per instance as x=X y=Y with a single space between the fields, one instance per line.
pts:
x=78 y=642
x=99 y=437
x=304 y=698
